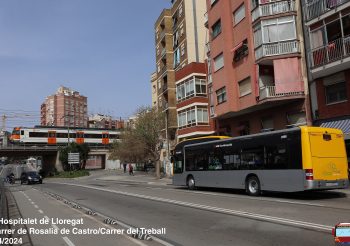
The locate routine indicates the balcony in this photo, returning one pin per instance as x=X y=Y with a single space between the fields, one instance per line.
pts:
x=206 y=19
x=273 y=8
x=162 y=53
x=268 y=92
x=162 y=35
x=277 y=48
x=316 y=8
x=207 y=46
x=331 y=57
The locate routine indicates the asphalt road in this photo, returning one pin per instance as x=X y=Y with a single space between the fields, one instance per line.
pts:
x=35 y=204
x=201 y=217
x=213 y=217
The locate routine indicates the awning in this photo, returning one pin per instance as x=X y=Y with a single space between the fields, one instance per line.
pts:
x=343 y=125
x=237 y=47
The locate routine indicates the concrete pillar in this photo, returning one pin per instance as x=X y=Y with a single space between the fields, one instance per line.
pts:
x=58 y=164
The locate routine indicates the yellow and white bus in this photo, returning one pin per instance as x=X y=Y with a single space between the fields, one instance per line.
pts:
x=291 y=160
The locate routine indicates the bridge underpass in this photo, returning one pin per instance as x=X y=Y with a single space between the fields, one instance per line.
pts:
x=50 y=156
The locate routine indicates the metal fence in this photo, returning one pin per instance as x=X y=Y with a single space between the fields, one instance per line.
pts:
x=277 y=48
x=335 y=50
x=273 y=8
x=270 y=92
x=315 y=8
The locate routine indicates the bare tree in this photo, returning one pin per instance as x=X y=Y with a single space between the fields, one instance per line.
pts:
x=142 y=141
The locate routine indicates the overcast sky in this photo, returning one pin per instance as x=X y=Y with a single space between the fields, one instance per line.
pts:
x=102 y=48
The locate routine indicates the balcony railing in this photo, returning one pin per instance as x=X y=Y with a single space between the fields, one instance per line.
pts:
x=277 y=48
x=207 y=45
x=273 y=8
x=315 y=8
x=270 y=92
x=334 y=51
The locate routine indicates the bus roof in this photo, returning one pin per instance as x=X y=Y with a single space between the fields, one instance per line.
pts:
x=288 y=130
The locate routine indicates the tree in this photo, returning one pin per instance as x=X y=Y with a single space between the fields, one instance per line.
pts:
x=142 y=141
x=82 y=149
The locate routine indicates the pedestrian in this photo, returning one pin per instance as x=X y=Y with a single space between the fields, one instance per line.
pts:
x=145 y=167
x=131 y=170
x=124 y=166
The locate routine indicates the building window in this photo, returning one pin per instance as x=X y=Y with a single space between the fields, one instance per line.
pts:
x=216 y=29
x=275 y=30
x=296 y=118
x=190 y=88
x=239 y=14
x=180 y=11
x=245 y=87
x=279 y=29
x=212 y=2
x=242 y=51
x=182 y=49
x=267 y=123
x=201 y=87
x=218 y=62
x=176 y=57
x=197 y=115
x=221 y=95
x=181 y=29
x=202 y=115
x=336 y=93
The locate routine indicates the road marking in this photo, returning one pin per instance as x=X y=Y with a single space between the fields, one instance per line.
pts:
x=40 y=211
x=245 y=214
x=36 y=206
x=29 y=199
x=32 y=203
x=259 y=199
x=69 y=242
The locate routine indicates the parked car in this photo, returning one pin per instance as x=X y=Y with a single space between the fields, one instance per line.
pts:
x=31 y=177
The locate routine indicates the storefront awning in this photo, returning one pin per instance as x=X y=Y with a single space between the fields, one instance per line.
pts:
x=343 y=125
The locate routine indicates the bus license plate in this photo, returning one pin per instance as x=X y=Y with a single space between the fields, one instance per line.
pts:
x=331 y=184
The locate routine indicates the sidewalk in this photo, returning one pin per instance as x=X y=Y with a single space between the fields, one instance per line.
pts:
x=139 y=177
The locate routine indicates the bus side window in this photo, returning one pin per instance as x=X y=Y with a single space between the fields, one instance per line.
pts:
x=276 y=156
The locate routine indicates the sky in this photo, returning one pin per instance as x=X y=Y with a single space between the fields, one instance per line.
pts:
x=104 y=49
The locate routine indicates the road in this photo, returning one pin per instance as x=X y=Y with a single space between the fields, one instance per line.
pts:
x=207 y=217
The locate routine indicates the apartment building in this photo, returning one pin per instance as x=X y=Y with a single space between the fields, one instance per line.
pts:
x=327 y=41
x=257 y=78
x=65 y=108
x=192 y=102
x=154 y=90
x=105 y=122
x=179 y=38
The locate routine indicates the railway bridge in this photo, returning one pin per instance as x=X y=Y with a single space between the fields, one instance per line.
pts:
x=98 y=155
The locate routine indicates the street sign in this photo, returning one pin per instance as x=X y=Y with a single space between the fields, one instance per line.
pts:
x=73 y=158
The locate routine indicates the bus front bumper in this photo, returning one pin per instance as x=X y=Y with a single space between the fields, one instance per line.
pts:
x=326 y=184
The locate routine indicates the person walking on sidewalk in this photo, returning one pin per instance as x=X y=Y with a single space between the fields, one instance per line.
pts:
x=131 y=170
x=124 y=166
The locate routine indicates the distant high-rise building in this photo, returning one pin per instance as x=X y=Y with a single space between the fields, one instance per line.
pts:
x=65 y=108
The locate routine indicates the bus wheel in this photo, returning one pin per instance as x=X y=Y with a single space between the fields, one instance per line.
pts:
x=253 y=186
x=190 y=183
